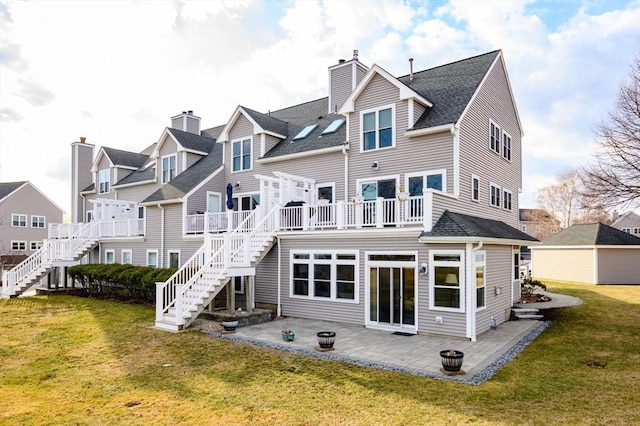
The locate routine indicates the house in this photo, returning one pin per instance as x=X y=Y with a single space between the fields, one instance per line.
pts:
x=391 y=203
x=592 y=253
x=539 y=224
x=25 y=214
x=629 y=223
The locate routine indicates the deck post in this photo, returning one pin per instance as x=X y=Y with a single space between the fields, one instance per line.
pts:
x=379 y=212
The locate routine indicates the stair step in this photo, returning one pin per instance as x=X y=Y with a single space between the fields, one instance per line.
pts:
x=529 y=316
x=524 y=310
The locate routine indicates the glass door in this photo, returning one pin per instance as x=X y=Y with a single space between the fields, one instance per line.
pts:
x=392 y=296
x=385 y=188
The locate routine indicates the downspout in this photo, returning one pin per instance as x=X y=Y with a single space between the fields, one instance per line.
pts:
x=346 y=171
x=279 y=308
x=161 y=256
x=471 y=305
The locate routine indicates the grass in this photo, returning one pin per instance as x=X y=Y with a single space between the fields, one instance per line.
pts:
x=67 y=360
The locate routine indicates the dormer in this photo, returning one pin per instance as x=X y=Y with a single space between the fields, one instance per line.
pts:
x=187 y=122
x=343 y=79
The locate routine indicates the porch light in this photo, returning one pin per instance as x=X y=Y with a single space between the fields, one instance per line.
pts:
x=375 y=165
x=423 y=269
x=237 y=185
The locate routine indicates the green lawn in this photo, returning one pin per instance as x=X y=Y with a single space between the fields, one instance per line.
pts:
x=69 y=360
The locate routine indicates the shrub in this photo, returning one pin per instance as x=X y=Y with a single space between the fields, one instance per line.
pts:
x=529 y=285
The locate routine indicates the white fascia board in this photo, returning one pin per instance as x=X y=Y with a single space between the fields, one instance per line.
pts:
x=224 y=135
x=277 y=135
x=163 y=202
x=405 y=91
x=585 y=247
x=485 y=241
x=430 y=130
x=195 y=151
x=300 y=155
x=156 y=149
x=94 y=166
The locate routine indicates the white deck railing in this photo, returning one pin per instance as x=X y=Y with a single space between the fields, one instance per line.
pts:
x=104 y=228
x=214 y=222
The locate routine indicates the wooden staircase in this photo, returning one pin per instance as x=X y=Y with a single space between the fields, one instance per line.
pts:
x=33 y=268
x=189 y=291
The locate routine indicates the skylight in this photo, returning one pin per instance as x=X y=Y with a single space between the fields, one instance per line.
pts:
x=305 y=132
x=333 y=126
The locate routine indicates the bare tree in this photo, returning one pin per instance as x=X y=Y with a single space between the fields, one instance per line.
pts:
x=614 y=179
x=562 y=200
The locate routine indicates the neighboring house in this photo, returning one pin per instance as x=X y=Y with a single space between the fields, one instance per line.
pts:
x=539 y=224
x=592 y=253
x=629 y=223
x=25 y=214
x=391 y=203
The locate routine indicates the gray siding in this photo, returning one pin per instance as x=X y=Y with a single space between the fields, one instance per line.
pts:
x=498 y=274
x=341 y=81
x=619 y=266
x=81 y=177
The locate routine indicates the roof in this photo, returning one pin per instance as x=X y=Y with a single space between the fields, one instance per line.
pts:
x=459 y=225
x=190 y=178
x=125 y=158
x=449 y=87
x=6 y=188
x=631 y=216
x=192 y=141
x=268 y=122
x=590 y=234
x=535 y=215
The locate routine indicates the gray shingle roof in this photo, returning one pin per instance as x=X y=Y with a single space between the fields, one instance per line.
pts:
x=141 y=175
x=192 y=141
x=7 y=188
x=589 y=234
x=449 y=87
x=453 y=224
x=268 y=122
x=125 y=158
x=190 y=178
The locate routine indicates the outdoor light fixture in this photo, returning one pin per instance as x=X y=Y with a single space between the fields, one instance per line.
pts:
x=422 y=270
x=375 y=165
x=237 y=185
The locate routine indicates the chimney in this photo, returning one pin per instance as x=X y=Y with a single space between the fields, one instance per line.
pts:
x=83 y=139
x=343 y=79
x=410 y=69
x=187 y=122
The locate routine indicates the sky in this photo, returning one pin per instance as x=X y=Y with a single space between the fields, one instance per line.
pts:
x=116 y=71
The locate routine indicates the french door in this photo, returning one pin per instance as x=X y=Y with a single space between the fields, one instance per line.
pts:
x=385 y=188
x=392 y=297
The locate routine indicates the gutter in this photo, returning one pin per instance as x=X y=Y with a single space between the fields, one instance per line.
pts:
x=279 y=308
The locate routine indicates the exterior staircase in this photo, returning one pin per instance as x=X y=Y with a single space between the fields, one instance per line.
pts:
x=189 y=291
x=526 y=313
x=33 y=268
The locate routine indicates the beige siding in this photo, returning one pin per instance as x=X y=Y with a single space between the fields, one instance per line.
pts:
x=270 y=142
x=192 y=158
x=492 y=102
x=81 y=177
x=341 y=85
x=618 y=266
x=137 y=193
x=198 y=200
x=570 y=264
x=498 y=275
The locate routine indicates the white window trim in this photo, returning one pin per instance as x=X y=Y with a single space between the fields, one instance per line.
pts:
x=504 y=153
x=122 y=253
x=35 y=245
x=331 y=185
x=250 y=139
x=499 y=141
x=636 y=231
x=462 y=285
x=393 y=128
x=107 y=182
x=499 y=192
x=108 y=252
x=44 y=221
x=18 y=243
x=169 y=253
x=424 y=175
x=162 y=169
x=157 y=258
x=13 y=215
x=483 y=263
x=333 y=262
x=473 y=179
x=504 y=199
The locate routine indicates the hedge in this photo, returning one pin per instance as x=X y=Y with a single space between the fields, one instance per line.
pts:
x=127 y=282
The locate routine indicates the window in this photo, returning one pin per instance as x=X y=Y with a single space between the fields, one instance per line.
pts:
x=516 y=264
x=246 y=202
x=168 y=168
x=627 y=230
x=475 y=188
x=152 y=258
x=435 y=179
x=127 y=257
x=494 y=195
x=506 y=200
x=506 y=146
x=105 y=180
x=109 y=257
x=19 y=220
x=238 y=285
x=494 y=137
x=636 y=231
x=377 y=129
x=524 y=228
x=37 y=221
x=174 y=259
x=305 y=132
x=18 y=245
x=36 y=245
x=334 y=126
x=445 y=280
x=242 y=155
x=480 y=265
x=324 y=275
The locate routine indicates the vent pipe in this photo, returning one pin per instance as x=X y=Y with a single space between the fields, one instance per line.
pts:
x=410 y=69
x=83 y=139
x=355 y=54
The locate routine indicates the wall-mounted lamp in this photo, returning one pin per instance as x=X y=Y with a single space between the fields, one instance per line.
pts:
x=375 y=166
x=497 y=290
x=237 y=185
x=422 y=270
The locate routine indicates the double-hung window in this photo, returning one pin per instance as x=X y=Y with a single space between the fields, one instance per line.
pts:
x=18 y=245
x=109 y=257
x=377 y=128
x=152 y=258
x=104 y=181
x=475 y=188
x=494 y=195
x=38 y=221
x=19 y=220
x=506 y=146
x=494 y=137
x=241 y=154
x=445 y=280
x=506 y=199
x=168 y=168
x=325 y=275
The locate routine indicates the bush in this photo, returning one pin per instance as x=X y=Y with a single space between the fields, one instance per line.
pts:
x=124 y=282
x=529 y=285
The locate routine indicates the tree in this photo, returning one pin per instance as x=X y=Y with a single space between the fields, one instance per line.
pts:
x=562 y=200
x=614 y=179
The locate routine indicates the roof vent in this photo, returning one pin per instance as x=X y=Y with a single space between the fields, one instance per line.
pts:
x=341 y=61
x=355 y=54
x=410 y=69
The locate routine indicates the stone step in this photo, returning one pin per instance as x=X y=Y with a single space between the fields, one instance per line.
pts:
x=524 y=310
x=529 y=316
